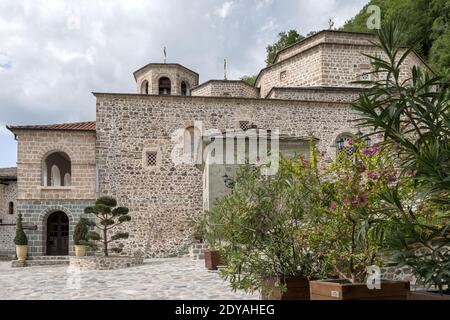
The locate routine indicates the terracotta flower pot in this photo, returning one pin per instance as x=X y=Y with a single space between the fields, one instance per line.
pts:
x=212 y=259
x=297 y=289
x=344 y=290
x=427 y=295
x=80 y=251
x=21 y=252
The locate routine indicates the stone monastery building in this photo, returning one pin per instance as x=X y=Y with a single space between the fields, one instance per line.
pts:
x=127 y=151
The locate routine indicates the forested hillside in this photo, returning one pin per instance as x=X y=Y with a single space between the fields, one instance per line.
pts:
x=425 y=23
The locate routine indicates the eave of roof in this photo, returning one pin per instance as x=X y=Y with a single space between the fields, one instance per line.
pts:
x=74 y=126
x=8 y=173
x=212 y=80
x=318 y=88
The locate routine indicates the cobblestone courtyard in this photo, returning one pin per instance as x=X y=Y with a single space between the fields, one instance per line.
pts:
x=157 y=279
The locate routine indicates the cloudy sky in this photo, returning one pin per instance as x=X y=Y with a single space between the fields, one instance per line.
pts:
x=53 y=54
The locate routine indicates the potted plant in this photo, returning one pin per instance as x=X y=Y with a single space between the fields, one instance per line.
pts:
x=80 y=236
x=213 y=226
x=199 y=229
x=21 y=241
x=350 y=234
x=265 y=226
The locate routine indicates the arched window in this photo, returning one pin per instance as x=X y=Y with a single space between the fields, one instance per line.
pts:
x=11 y=207
x=164 y=86
x=67 y=180
x=144 y=87
x=55 y=178
x=344 y=143
x=192 y=140
x=56 y=170
x=184 y=89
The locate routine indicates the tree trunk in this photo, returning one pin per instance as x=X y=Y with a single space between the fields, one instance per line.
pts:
x=105 y=241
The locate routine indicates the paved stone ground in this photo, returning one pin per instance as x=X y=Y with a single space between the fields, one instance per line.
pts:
x=159 y=279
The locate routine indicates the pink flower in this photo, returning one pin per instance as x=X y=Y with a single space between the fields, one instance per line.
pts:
x=333 y=206
x=372 y=175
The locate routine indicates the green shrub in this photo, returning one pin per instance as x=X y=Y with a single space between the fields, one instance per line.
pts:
x=81 y=232
x=262 y=226
x=21 y=238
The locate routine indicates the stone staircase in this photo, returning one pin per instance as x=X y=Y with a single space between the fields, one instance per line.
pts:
x=42 y=261
x=7 y=256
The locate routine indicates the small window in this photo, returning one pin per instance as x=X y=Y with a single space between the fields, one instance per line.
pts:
x=164 y=86
x=152 y=158
x=244 y=125
x=345 y=144
x=144 y=87
x=184 y=88
x=283 y=76
x=11 y=207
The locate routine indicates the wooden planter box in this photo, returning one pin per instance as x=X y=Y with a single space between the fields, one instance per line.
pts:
x=212 y=259
x=344 y=290
x=297 y=289
x=427 y=295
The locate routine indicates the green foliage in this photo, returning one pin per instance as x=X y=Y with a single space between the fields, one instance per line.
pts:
x=420 y=238
x=263 y=225
x=424 y=22
x=199 y=227
x=250 y=80
x=284 y=39
x=80 y=235
x=109 y=217
x=348 y=235
x=21 y=238
x=413 y=116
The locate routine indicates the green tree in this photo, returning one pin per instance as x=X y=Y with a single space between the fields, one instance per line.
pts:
x=250 y=80
x=109 y=216
x=425 y=24
x=263 y=225
x=284 y=39
x=414 y=116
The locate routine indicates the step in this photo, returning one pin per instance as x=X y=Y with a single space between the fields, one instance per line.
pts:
x=51 y=258
x=7 y=256
x=44 y=262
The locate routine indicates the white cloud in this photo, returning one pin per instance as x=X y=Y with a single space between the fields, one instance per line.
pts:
x=53 y=54
x=224 y=10
x=5 y=61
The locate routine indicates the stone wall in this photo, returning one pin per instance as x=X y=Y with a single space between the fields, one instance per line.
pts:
x=229 y=88
x=8 y=193
x=33 y=148
x=36 y=212
x=7 y=234
x=104 y=263
x=163 y=201
x=315 y=94
x=301 y=70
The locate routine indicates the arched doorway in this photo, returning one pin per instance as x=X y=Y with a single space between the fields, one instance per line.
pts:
x=58 y=234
